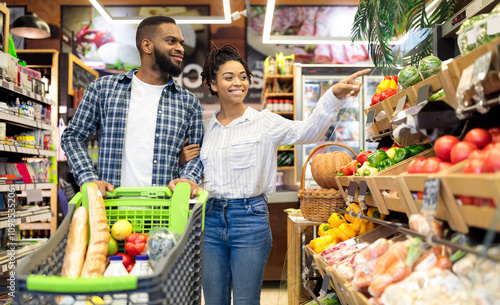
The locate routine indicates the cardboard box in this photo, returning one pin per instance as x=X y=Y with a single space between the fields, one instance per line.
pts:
x=9 y=63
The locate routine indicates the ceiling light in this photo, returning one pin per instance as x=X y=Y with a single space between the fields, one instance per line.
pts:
x=30 y=26
x=178 y=19
x=267 y=38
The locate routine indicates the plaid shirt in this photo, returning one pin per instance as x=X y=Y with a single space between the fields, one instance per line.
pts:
x=104 y=107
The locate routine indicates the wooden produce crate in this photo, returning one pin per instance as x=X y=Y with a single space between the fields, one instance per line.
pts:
x=342 y=183
x=441 y=80
x=454 y=182
x=415 y=183
x=369 y=199
x=379 y=126
x=458 y=65
x=345 y=290
x=392 y=102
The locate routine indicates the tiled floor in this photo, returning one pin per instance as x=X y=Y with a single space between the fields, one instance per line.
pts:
x=272 y=294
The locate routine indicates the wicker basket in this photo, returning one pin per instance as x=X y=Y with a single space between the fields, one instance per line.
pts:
x=317 y=204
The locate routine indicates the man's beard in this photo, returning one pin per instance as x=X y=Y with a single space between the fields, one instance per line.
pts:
x=166 y=65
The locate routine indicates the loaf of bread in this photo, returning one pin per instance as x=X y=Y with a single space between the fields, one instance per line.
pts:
x=76 y=245
x=95 y=262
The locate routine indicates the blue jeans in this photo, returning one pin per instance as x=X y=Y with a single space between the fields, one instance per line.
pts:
x=236 y=245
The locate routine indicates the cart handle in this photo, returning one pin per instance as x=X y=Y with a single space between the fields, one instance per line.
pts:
x=59 y=284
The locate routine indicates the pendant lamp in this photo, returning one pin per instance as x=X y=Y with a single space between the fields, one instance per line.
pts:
x=30 y=26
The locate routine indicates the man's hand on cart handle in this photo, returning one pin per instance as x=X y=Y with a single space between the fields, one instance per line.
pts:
x=349 y=86
x=103 y=187
x=194 y=187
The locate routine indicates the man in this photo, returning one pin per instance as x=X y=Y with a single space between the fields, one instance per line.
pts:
x=142 y=118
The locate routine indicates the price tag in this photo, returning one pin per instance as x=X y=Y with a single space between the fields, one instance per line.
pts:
x=493 y=25
x=32 y=95
x=423 y=94
x=308 y=265
x=471 y=37
x=24 y=91
x=362 y=193
x=11 y=86
x=34 y=195
x=324 y=285
x=431 y=195
x=351 y=191
x=370 y=117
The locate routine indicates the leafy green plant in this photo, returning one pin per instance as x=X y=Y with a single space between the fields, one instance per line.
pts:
x=379 y=21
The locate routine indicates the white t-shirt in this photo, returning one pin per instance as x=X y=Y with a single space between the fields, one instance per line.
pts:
x=137 y=164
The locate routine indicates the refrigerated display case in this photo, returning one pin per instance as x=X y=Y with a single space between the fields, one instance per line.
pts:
x=349 y=126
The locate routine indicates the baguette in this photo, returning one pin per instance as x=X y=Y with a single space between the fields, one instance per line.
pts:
x=95 y=262
x=76 y=245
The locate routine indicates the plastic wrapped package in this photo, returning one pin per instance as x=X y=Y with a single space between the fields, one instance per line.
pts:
x=477 y=31
x=407 y=77
x=429 y=66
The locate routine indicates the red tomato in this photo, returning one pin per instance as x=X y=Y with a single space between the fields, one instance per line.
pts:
x=491 y=160
x=466 y=200
x=420 y=195
x=480 y=137
x=415 y=165
x=495 y=134
x=474 y=166
x=444 y=166
x=461 y=151
x=491 y=145
x=430 y=165
x=443 y=147
x=494 y=130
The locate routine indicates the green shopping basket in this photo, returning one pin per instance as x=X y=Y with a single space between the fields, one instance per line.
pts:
x=176 y=278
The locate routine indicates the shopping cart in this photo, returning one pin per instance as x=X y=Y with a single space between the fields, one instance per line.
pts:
x=176 y=278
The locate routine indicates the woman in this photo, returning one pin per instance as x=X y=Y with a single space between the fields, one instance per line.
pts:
x=240 y=163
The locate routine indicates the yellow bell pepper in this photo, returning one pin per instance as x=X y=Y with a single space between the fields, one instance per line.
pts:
x=347 y=230
x=375 y=213
x=391 y=151
x=354 y=207
x=358 y=224
x=336 y=220
x=387 y=84
x=364 y=228
x=321 y=243
x=323 y=228
x=340 y=235
x=370 y=226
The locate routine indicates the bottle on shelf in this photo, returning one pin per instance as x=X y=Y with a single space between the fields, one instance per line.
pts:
x=141 y=268
x=116 y=269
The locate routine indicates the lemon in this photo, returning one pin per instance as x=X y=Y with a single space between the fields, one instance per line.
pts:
x=95 y=300
x=112 y=246
x=121 y=229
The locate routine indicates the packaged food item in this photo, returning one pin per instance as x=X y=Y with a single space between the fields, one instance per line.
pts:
x=429 y=66
x=115 y=267
x=141 y=268
x=478 y=30
x=407 y=77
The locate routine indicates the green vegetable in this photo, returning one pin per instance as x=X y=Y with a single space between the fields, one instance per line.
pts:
x=385 y=164
x=429 y=66
x=366 y=170
x=376 y=157
x=408 y=77
x=415 y=149
x=401 y=154
x=437 y=95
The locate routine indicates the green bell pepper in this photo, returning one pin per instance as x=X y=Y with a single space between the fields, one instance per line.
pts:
x=385 y=164
x=415 y=149
x=401 y=154
x=376 y=157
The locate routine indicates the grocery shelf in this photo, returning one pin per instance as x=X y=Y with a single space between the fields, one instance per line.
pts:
x=44 y=214
x=279 y=94
x=25 y=121
x=27 y=150
x=23 y=92
x=27 y=186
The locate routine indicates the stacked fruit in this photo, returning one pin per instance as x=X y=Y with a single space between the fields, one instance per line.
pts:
x=386 y=88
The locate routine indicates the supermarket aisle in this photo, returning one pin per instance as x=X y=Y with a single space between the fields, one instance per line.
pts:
x=271 y=294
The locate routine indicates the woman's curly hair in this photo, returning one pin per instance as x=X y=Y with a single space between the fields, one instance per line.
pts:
x=216 y=58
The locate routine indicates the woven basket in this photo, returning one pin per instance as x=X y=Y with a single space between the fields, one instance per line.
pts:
x=317 y=204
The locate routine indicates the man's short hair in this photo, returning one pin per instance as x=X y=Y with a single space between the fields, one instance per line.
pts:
x=147 y=28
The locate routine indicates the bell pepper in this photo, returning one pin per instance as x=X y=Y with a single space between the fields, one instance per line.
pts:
x=347 y=230
x=355 y=208
x=359 y=224
x=401 y=154
x=366 y=170
x=136 y=243
x=321 y=243
x=375 y=99
x=393 y=77
x=387 y=93
x=370 y=226
x=127 y=261
x=323 y=228
x=375 y=213
x=386 y=164
x=341 y=171
x=352 y=167
x=415 y=149
x=391 y=152
x=335 y=220
x=376 y=157
x=363 y=156
x=387 y=84
x=384 y=148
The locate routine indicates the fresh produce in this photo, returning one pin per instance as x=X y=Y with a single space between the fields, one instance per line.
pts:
x=387 y=93
x=376 y=157
x=408 y=76
x=323 y=167
x=323 y=228
x=419 y=223
x=415 y=165
x=430 y=165
x=76 y=245
x=438 y=95
x=386 y=88
x=461 y=151
x=160 y=242
x=387 y=83
x=127 y=261
x=349 y=169
x=95 y=261
x=495 y=134
x=386 y=163
x=429 y=66
x=136 y=244
x=363 y=156
x=402 y=153
x=375 y=213
x=359 y=225
x=443 y=146
x=355 y=208
x=121 y=229
x=112 y=246
x=366 y=170
x=480 y=137
x=335 y=220
x=321 y=243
